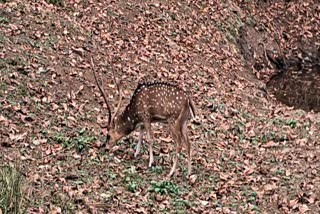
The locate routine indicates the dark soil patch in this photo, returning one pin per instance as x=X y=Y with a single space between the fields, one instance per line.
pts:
x=293 y=79
x=282 y=50
x=298 y=88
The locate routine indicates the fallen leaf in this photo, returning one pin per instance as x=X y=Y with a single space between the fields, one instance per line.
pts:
x=268 y=187
x=193 y=178
x=293 y=202
x=76 y=156
x=39 y=141
x=18 y=137
x=167 y=140
x=3 y=118
x=204 y=203
x=303 y=208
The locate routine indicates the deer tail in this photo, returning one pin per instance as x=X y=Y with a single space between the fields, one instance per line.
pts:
x=192 y=109
x=188 y=111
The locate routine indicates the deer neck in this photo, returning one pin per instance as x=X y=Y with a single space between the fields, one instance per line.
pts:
x=126 y=121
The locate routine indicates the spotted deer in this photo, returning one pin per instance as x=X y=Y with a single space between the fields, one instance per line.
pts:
x=151 y=102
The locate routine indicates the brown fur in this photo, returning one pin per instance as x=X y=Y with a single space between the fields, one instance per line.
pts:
x=153 y=102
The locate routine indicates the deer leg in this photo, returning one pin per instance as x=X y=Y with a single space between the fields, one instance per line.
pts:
x=177 y=138
x=139 y=142
x=147 y=126
x=188 y=146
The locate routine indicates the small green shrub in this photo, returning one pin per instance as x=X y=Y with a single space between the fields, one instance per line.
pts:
x=4 y=20
x=79 y=141
x=132 y=186
x=164 y=187
x=156 y=169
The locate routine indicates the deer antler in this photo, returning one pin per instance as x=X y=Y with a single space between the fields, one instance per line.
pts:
x=103 y=95
x=120 y=99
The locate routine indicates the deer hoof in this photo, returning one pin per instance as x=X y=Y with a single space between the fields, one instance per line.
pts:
x=151 y=164
x=170 y=174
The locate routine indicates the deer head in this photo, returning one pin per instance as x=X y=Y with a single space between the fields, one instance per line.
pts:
x=114 y=134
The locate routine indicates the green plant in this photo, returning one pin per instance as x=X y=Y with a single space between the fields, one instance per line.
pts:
x=33 y=43
x=279 y=171
x=267 y=136
x=238 y=128
x=80 y=140
x=132 y=186
x=255 y=209
x=292 y=123
x=156 y=169
x=164 y=187
x=1 y=41
x=109 y=174
x=61 y=138
x=51 y=40
x=217 y=107
x=3 y=86
x=130 y=171
x=4 y=20
x=249 y=194
x=180 y=203
x=131 y=179
x=22 y=90
x=250 y=21
x=10 y=190
x=276 y=137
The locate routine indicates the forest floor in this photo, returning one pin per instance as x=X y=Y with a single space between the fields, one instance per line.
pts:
x=251 y=154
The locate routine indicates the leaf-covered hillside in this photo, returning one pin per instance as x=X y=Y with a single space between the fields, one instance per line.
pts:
x=251 y=154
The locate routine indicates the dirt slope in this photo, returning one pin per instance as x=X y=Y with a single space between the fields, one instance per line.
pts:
x=251 y=153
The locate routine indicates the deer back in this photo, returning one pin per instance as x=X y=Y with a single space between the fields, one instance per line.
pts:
x=159 y=101
x=152 y=102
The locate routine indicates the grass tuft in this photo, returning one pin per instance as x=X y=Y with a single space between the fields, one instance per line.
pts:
x=10 y=190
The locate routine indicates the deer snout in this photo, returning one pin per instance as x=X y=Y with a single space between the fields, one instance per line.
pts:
x=110 y=143
x=112 y=138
